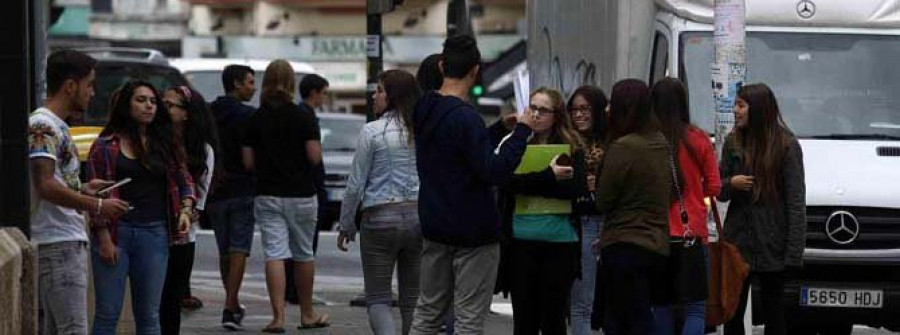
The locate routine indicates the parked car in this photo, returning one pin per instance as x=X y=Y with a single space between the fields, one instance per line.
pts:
x=339 y=134
x=116 y=66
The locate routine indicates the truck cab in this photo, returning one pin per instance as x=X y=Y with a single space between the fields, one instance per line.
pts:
x=831 y=66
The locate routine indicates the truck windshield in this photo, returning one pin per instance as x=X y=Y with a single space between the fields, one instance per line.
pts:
x=837 y=86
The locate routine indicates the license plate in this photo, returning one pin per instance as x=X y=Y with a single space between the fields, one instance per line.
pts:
x=835 y=297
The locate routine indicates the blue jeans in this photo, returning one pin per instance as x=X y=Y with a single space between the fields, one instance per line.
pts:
x=694 y=314
x=143 y=253
x=583 y=289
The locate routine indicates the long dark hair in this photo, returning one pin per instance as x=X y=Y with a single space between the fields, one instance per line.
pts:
x=199 y=130
x=763 y=140
x=597 y=99
x=402 y=94
x=669 y=102
x=629 y=109
x=160 y=152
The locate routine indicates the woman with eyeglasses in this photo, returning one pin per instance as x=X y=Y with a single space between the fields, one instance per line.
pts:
x=539 y=260
x=138 y=143
x=634 y=192
x=695 y=165
x=587 y=111
x=195 y=130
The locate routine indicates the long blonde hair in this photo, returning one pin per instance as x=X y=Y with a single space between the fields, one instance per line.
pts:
x=563 y=130
x=278 y=83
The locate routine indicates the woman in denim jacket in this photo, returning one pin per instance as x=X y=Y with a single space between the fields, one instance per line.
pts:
x=384 y=185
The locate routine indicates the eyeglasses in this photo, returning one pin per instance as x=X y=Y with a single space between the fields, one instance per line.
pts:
x=583 y=109
x=541 y=111
x=171 y=105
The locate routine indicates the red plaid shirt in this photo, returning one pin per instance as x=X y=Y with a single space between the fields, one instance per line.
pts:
x=101 y=164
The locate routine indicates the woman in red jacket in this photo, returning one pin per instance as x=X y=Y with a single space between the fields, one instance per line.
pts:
x=696 y=171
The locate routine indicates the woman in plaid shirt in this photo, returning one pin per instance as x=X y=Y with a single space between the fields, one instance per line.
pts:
x=137 y=143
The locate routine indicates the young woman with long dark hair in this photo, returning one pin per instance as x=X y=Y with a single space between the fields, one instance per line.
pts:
x=195 y=130
x=540 y=260
x=696 y=166
x=138 y=143
x=634 y=192
x=384 y=185
x=586 y=108
x=762 y=170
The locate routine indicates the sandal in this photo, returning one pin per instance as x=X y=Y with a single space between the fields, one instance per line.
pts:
x=273 y=330
x=321 y=322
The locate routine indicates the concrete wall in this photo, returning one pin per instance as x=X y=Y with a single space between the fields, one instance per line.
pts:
x=18 y=283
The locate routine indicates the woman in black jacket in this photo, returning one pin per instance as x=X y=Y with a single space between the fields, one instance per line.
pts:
x=541 y=258
x=762 y=175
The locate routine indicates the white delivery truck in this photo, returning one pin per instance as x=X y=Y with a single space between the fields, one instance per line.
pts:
x=835 y=68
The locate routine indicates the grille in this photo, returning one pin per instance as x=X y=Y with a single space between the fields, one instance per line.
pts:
x=879 y=228
x=888 y=151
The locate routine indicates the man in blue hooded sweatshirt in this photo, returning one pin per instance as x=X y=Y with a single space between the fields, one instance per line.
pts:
x=458 y=166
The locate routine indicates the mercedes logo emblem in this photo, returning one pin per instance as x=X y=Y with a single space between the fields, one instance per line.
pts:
x=806 y=9
x=842 y=227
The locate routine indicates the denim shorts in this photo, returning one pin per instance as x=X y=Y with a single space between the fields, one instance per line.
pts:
x=232 y=221
x=288 y=226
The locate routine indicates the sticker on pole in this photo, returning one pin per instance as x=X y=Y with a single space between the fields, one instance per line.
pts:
x=373 y=46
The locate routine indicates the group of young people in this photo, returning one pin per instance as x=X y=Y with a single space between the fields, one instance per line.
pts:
x=433 y=192
x=149 y=174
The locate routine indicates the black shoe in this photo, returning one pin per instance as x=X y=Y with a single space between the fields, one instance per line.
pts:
x=232 y=320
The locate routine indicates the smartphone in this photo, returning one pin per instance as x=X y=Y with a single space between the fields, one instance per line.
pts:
x=119 y=183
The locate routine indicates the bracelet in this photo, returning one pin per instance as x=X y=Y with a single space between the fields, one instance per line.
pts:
x=99 y=205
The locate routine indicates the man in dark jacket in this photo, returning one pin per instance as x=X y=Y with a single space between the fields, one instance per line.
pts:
x=231 y=212
x=457 y=168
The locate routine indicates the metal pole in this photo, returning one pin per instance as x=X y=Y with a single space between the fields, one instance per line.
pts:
x=375 y=57
x=730 y=66
x=17 y=98
x=729 y=72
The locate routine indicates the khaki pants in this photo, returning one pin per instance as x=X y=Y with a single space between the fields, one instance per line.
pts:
x=465 y=276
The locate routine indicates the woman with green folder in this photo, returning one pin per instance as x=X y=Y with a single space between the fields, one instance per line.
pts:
x=540 y=255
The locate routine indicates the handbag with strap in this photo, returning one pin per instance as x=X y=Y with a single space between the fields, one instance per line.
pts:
x=727 y=272
x=684 y=277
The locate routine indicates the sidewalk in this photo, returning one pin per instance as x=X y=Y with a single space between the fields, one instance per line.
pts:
x=345 y=320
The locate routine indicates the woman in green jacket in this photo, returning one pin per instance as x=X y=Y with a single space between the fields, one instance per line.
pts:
x=635 y=193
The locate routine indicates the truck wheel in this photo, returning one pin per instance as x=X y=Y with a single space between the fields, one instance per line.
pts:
x=846 y=329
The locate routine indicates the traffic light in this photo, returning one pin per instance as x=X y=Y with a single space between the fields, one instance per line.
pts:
x=477 y=90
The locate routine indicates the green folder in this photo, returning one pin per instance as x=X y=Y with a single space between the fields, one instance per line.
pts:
x=536 y=159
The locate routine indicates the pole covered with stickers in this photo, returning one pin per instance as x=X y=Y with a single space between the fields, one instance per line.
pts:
x=729 y=68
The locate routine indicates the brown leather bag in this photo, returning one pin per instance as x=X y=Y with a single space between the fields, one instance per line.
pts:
x=727 y=272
